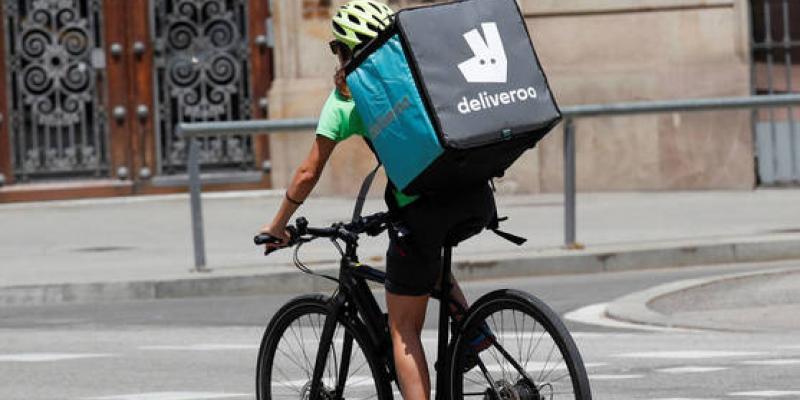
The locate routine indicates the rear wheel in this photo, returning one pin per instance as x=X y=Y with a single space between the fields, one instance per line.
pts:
x=289 y=350
x=530 y=354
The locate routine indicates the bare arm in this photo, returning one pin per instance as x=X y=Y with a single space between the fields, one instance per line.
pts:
x=305 y=178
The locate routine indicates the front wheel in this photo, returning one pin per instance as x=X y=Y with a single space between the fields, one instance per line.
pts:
x=529 y=354
x=289 y=349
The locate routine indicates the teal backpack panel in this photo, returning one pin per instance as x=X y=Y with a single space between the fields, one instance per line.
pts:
x=397 y=123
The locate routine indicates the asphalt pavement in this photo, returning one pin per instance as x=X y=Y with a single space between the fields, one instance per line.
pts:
x=206 y=347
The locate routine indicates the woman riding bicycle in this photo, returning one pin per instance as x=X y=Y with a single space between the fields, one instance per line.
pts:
x=414 y=259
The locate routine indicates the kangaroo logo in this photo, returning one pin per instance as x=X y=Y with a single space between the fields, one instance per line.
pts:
x=489 y=65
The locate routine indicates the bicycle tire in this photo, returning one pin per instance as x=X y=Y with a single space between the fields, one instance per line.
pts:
x=546 y=383
x=296 y=384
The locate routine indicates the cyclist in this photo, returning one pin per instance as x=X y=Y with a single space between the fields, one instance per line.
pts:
x=413 y=261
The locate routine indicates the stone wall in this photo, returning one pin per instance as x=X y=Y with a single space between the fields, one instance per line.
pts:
x=594 y=51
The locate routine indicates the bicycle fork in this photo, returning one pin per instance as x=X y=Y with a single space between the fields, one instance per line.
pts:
x=325 y=345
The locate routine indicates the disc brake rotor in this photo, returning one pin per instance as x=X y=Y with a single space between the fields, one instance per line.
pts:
x=518 y=391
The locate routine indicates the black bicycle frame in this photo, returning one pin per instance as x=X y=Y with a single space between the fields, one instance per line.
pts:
x=354 y=299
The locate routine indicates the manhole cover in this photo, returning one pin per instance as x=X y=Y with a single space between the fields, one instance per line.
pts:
x=102 y=249
x=787 y=230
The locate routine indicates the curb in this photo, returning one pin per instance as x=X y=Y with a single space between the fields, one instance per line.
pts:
x=633 y=308
x=580 y=262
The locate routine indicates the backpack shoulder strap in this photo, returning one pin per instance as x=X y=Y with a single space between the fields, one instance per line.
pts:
x=362 y=193
x=494 y=224
x=366 y=184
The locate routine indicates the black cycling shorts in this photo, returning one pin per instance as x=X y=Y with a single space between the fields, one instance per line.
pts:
x=413 y=264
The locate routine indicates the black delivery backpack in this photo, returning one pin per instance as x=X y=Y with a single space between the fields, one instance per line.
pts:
x=451 y=94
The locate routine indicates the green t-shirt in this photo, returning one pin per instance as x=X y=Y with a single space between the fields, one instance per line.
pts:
x=339 y=120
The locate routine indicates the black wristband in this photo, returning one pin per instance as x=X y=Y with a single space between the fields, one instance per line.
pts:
x=293 y=201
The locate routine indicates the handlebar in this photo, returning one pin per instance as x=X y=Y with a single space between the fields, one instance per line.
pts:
x=372 y=225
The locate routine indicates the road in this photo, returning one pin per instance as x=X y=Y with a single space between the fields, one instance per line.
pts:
x=206 y=348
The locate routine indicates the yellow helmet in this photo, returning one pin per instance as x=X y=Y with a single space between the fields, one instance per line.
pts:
x=358 y=21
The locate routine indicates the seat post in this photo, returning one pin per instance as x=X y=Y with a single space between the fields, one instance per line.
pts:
x=444 y=322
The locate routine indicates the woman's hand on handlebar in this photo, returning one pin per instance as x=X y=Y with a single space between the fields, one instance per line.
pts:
x=281 y=235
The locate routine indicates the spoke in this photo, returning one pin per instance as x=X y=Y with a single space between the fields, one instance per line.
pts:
x=296 y=339
x=560 y=377
x=353 y=373
x=533 y=351
x=530 y=345
x=555 y=366
x=288 y=380
x=544 y=367
x=492 y=352
x=283 y=352
x=476 y=382
x=302 y=343
x=503 y=334
x=519 y=334
x=570 y=392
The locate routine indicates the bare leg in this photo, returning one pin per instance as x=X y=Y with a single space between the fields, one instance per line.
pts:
x=458 y=296
x=406 y=317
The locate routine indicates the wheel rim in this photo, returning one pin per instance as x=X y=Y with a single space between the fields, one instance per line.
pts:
x=292 y=364
x=531 y=345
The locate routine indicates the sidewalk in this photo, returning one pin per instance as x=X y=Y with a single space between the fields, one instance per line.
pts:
x=761 y=301
x=149 y=239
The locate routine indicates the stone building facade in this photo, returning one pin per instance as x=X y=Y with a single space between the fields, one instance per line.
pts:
x=594 y=51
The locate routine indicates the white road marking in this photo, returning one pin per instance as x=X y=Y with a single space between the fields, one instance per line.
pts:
x=690 y=370
x=352 y=381
x=172 y=396
x=786 y=361
x=202 y=347
x=595 y=314
x=576 y=335
x=539 y=366
x=689 y=354
x=767 y=393
x=47 y=357
x=682 y=398
x=602 y=377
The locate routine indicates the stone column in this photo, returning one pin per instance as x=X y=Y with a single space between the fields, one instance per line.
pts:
x=304 y=68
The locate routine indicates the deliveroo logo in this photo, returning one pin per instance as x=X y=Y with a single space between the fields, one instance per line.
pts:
x=489 y=65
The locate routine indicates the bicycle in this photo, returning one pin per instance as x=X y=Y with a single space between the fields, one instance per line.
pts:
x=339 y=347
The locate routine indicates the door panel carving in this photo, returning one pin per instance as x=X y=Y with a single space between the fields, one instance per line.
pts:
x=55 y=84
x=202 y=73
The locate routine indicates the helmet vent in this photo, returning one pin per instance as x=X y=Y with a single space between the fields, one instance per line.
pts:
x=359 y=8
x=362 y=37
x=338 y=28
x=353 y=19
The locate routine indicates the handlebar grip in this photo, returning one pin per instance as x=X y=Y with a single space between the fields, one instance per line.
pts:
x=264 y=238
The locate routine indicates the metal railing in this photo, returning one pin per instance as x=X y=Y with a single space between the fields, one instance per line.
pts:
x=260 y=127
